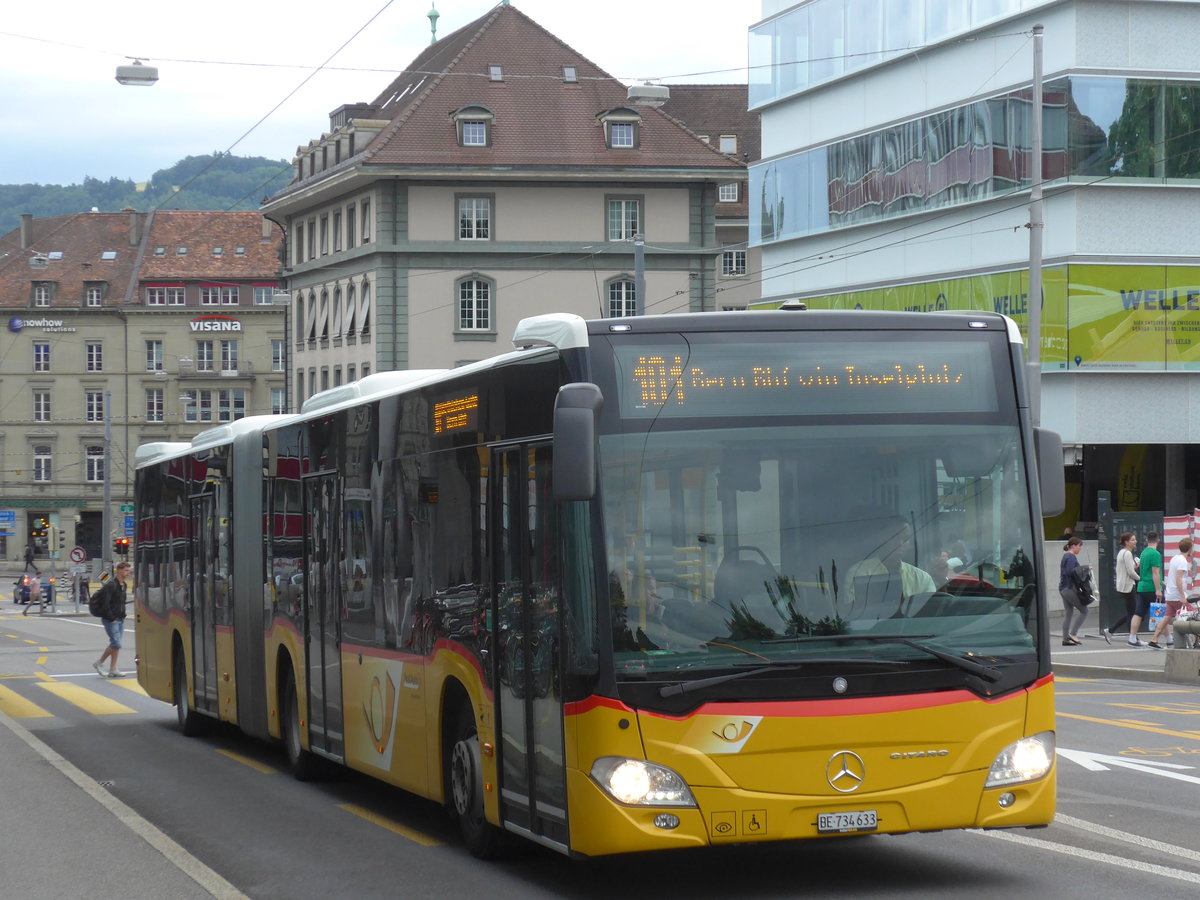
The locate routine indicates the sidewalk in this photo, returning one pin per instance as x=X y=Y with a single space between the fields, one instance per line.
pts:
x=1096 y=658
x=67 y=838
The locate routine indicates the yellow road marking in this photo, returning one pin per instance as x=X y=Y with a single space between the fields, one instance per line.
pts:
x=130 y=684
x=88 y=701
x=395 y=827
x=1116 y=693
x=1191 y=735
x=41 y=660
x=13 y=704
x=247 y=761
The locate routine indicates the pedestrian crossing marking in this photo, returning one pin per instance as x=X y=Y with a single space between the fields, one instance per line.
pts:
x=13 y=704
x=88 y=701
x=130 y=684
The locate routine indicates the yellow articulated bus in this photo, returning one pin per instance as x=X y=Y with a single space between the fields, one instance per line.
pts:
x=642 y=583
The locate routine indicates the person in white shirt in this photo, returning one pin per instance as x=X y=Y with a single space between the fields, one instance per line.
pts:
x=1175 y=591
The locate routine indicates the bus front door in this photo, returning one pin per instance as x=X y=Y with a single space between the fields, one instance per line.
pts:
x=528 y=628
x=323 y=615
x=206 y=570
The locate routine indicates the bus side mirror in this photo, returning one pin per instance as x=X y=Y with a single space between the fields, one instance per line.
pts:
x=1051 y=477
x=573 y=472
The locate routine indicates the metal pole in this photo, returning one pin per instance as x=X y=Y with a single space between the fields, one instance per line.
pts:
x=106 y=513
x=1036 y=230
x=639 y=273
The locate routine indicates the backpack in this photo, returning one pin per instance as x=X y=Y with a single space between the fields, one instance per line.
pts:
x=96 y=604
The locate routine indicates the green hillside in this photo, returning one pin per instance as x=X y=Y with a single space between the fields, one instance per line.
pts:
x=215 y=181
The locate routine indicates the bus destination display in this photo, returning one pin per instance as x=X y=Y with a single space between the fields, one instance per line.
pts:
x=805 y=378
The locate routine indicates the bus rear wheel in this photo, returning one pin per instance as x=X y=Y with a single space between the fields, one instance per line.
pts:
x=465 y=766
x=190 y=723
x=301 y=762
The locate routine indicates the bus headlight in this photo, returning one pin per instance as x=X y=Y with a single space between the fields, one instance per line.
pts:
x=636 y=782
x=1028 y=759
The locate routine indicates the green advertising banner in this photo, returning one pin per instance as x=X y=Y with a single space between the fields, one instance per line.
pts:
x=1093 y=317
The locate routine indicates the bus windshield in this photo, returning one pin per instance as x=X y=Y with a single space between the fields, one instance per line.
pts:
x=778 y=531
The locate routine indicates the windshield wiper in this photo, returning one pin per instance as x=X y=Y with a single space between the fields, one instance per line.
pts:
x=687 y=687
x=991 y=673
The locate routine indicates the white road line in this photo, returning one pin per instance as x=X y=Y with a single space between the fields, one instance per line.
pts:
x=1149 y=844
x=1091 y=855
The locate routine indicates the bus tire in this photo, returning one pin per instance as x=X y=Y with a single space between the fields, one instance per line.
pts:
x=301 y=762
x=190 y=722
x=464 y=764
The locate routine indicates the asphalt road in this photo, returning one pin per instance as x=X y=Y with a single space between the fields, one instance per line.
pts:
x=1129 y=779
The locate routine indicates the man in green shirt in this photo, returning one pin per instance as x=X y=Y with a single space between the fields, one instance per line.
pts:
x=1149 y=586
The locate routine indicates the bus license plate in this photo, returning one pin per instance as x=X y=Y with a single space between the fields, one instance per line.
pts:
x=845 y=822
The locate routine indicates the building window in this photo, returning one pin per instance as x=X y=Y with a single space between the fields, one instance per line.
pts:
x=181 y=251
x=298 y=249
x=733 y=263
x=728 y=143
x=474 y=305
x=41 y=293
x=495 y=73
x=337 y=231
x=94 y=356
x=474 y=126
x=312 y=239
x=217 y=295
x=622 y=128
x=218 y=251
x=278 y=401
x=41 y=357
x=278 y=355
x=154 y=356
x=474 y=218
x=350 y=219
x=624 y=218
x=95 y=464
x=622 y=298
x=264 y=295
x=108 y=254
x=154 y=404
x=204 y=356
x=365 y=221
x=570 y=75
x=43 y=463
x=160 y=251
x=93 y=406
x=324 y=235
x=164 y=296
x=41 y=406
x=214 y=406
x=231 y=405
x=728 y=193
x=229 y=356
x=93 y=295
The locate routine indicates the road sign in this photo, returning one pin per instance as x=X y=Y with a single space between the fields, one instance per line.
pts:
x=129 y=526
x=126 y=507
x=78 y=554
x=8 y=522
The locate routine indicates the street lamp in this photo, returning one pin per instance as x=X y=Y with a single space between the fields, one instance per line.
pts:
x=137 y=75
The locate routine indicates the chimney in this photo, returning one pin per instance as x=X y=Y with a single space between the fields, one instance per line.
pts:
x=26 y=230
x=135 y=227
x=266 y=229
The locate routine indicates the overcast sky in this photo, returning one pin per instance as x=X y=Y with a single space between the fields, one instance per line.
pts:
x=225 y=64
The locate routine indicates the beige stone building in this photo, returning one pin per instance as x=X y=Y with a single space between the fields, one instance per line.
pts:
x=122 y=329
x=499 y=176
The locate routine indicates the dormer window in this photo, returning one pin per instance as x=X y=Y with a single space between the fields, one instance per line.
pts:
x=622 y=127
x=474 y=126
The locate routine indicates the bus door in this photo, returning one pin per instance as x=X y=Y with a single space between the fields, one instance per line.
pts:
x=203 y=588
x=323 y=614
x=528 y=626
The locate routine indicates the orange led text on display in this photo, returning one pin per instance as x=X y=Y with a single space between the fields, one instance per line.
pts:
x=452 y=415
x=661 y=381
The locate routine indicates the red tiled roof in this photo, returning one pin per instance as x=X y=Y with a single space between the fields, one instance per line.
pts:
x=200 y=232
x=540 y=121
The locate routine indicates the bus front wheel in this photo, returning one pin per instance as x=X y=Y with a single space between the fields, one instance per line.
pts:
x=466 y=789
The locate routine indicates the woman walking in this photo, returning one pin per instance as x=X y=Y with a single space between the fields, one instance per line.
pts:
x=1074 y=609
x=1126 y=584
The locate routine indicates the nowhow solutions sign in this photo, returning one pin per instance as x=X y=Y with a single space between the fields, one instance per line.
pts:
x=215 y=323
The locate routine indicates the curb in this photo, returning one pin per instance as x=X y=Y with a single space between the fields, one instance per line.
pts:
x=1074 y=670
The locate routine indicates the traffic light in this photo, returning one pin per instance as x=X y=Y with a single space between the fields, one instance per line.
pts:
x=62 y=538
x=121 y=545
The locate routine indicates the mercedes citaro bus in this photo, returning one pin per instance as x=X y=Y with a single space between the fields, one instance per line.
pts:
x=641 y=583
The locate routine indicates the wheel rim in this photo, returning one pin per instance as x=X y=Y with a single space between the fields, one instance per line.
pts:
x=463 y=778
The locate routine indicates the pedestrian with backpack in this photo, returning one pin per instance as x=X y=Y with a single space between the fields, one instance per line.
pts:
x=109 y=604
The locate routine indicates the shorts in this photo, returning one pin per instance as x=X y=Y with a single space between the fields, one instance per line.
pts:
x=1173 y=607
x=1141 y=607
x=114 y=628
